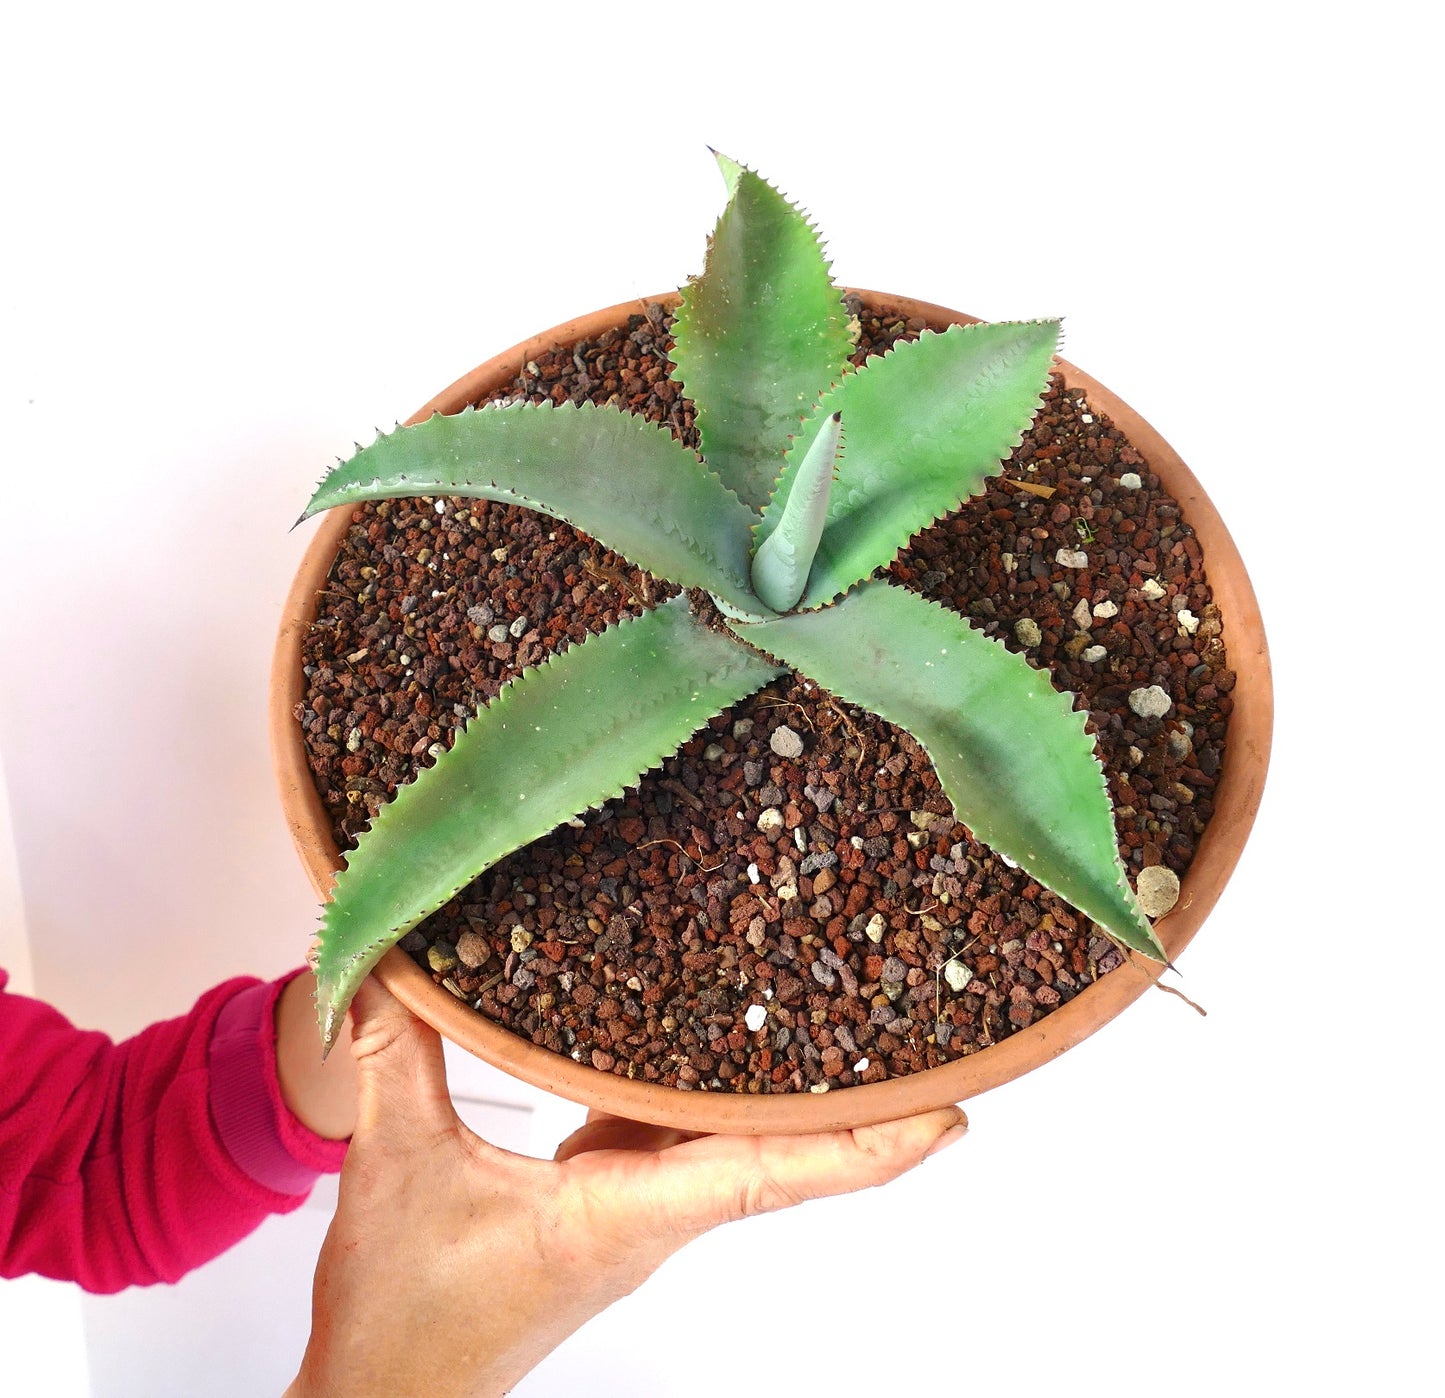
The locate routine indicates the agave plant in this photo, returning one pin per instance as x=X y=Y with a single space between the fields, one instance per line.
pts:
x=812 y=476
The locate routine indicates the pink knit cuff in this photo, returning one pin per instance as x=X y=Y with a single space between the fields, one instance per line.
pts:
x=259 y=1131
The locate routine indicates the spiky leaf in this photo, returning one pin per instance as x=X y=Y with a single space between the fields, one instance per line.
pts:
x=758 y=335
x=556 y=740
x=782 y=562
x=928 y=423
x=1009 y=750
x=625 y=481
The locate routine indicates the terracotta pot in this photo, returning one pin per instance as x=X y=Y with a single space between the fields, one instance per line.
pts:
x=1236 y=801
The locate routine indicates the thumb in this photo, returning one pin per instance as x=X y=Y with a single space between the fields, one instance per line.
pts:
x=400 y=1072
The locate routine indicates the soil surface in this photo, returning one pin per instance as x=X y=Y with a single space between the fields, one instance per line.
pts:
x=787 y=904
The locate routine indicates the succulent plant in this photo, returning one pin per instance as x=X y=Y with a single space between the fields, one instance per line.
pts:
x=812 y=476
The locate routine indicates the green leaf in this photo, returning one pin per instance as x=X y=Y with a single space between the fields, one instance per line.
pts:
x=1009 y=750
x=558 y=739
x=758 y=335
x=732 y=172
x=625 y=481
x=781 y=564
x=928 y=423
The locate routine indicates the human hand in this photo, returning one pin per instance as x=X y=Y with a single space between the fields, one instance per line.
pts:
x=430 y=1215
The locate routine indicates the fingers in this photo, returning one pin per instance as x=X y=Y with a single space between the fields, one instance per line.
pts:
x=401 y=1074
x=713 y=1179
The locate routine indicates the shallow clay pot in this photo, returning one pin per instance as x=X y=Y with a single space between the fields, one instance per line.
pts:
x=1236 y=801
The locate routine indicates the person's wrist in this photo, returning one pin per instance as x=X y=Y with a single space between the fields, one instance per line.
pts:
x=320 y=1095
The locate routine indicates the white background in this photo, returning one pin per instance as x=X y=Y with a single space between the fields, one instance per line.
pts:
x=239 y=238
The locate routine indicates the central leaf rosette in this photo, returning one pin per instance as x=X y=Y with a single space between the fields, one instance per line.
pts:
x=812 y=476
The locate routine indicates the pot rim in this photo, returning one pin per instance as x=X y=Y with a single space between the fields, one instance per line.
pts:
x=1237 y=800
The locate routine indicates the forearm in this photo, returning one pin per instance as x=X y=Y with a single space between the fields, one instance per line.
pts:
x=127 y=1164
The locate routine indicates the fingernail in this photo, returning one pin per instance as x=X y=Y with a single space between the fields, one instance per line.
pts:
x=954 y=1133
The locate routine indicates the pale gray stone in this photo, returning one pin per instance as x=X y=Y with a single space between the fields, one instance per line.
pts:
x=1158 y=889
x=785 y=742
x=1149 y=702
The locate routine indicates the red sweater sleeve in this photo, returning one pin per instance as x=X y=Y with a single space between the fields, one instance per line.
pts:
x=128 y=1164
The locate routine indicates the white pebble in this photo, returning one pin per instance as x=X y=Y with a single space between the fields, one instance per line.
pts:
x=1130 y=481
x=770 y=821
x=1150 y=702
x=861 y=1066
x=957 y=975
x=1105 y=610
x=1083 y=615
x=785 y=742
x=1188 y=622
x=1152 y=590
x=1094 y=654
x=1071 y=558
x=875 y=928
x=755 y=1018
x=753 y=875
x=1027 y=632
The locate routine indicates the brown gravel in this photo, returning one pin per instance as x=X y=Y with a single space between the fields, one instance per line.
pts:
x=639 y=938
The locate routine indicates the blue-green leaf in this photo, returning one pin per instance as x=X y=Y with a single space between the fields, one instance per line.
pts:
x=625 y=481
x=1010 y=752
x=927 y=424
x=758 y=335
x=558 y=739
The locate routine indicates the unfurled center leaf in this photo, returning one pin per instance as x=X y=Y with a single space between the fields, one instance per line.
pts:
x=781 y=564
